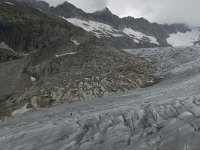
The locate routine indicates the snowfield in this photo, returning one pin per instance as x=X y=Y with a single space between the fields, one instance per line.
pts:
x=104 y=30
x=8 y=3
x=165 y=116
x=140 y=36
x=61 y=55
x=99 y=29
x=184 y=39
x=75 y=42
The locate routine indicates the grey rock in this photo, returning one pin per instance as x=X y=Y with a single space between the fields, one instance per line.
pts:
x=34 y=102
x=13 y=78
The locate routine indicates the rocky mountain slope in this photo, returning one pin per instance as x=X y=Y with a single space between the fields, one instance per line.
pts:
x=60 y=62
x=28 y=30
x=6 y=53
x=141 y=26
x=86 y=75
x=55 y=61
x=59 y=55
x=128 y=32
x=164 y=116
x=138 y=32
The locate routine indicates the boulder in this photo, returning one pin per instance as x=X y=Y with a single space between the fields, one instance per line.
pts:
x=45 y=101
x=34 y=102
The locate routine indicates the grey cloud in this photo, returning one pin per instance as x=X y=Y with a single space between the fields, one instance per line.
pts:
x=161 y=11
x=86 y=5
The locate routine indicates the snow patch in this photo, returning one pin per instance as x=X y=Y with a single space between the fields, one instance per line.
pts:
x=136 y=41
x=72 y=53
x=8 y=3
x=75 y=42
x=21 y=111
x=104 y=30
x=184 y=39
x=33 y=79
x=99 y=29
x=4 y=46
x=39 y=9
x=140 y=36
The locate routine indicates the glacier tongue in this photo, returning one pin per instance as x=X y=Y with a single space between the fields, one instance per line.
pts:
x=164 y=116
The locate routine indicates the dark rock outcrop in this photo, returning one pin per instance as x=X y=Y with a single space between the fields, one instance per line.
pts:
x=28 y=30
x=13 y=80
x=174 y=28
x=6 y=53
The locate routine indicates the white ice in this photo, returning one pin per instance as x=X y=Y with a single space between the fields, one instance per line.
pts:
x=8 y=3
x=75 y=42
x=33 y=79
x=140 y=36
x=99 y=29
x=184 y=39
x=104 y=30
x=72 y=53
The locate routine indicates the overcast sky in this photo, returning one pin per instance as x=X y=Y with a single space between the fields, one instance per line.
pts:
x=161 y=11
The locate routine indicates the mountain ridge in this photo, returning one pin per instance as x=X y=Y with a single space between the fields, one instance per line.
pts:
x=160 y=32
x=147 y=29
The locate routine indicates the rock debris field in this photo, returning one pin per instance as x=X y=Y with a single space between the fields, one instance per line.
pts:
x=165 y=116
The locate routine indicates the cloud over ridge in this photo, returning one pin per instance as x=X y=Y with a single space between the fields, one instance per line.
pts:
x=161 y=11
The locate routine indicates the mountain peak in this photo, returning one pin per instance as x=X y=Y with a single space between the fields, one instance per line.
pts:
x=66 y=3
x=106 y=10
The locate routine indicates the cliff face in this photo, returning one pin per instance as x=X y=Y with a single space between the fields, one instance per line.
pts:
x=6 y=53
x=174 y=28
x=13 y=78
x=27 y=29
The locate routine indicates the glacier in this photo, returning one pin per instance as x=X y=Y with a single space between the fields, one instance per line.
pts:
x=184 y=39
